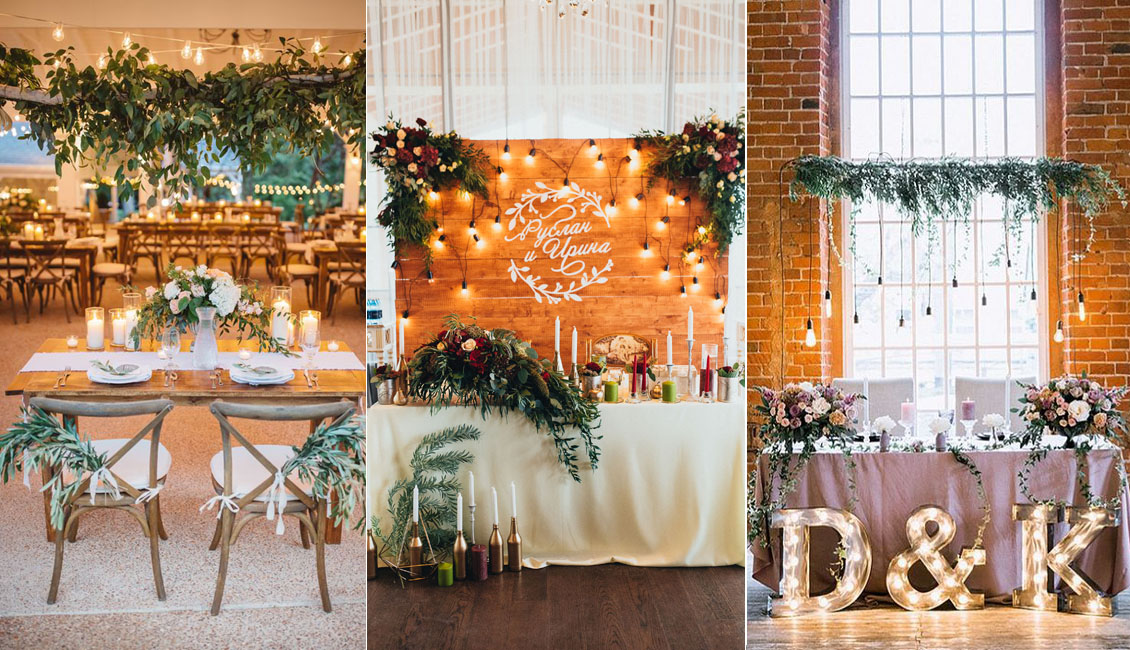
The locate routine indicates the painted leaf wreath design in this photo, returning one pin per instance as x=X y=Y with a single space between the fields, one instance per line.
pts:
x=583 y=200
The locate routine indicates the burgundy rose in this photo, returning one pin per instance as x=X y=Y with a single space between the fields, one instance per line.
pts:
x=545 y=375
x=421 y=121
x=688 y=129
x=404 y=156
x=592 y=366
x=727 y=164
x=429 y=155
x=702 y=161
x=728 y=144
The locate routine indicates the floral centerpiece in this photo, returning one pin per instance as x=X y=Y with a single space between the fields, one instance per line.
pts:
x=497 y=371
x=799 y=415
x=711 y=152
x=187 y=290
x=592 y=369
x=1071 y=407
x=418 y=161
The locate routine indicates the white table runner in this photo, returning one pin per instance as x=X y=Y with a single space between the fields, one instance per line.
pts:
x=80 y=361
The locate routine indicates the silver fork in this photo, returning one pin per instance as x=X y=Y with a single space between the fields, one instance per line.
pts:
x=66 y=373
x=306 y=374
x=314 y=377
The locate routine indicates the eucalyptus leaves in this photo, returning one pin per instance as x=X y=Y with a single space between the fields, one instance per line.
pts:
x=145 y=119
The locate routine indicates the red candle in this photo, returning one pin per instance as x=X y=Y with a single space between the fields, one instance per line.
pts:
x=477 y=562
x=635 y=362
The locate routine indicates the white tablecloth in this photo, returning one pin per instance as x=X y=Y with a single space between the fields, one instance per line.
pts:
x=57 y=361
x=669 y=489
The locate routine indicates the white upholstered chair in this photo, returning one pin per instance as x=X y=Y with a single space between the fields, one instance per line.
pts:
x=992 y=395
x=884 y=395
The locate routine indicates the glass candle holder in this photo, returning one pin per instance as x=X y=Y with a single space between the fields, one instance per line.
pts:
x=280 y=314
x=118 y=326
x=95 y=328
x=309 y=333
x=709 y=361
x=131 y=305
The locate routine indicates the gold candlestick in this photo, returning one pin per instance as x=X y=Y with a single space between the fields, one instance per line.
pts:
x=514 y=547
x=415 y=552
x=495 y=550
x=459 y=555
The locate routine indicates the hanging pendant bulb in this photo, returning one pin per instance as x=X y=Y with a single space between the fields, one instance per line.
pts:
x=984 y=300
x=646 y=252
x=929 y=310
x=199 y=58
x=902 y=321
x=1058 y=337
x=1032 y=296
x=718 y=298
x=600 y=161
x=880 y=281
x=464 y=290
x=666 y=274
x=431 y=277
x=186 y=51
x=855 y=318
x=809 y=335
x=955 y=282
x=592 y=145
x=497 y=222
x=683 y=291
x=827 y=302
x=506 y=151
x=57 y=32
x=1082 y=308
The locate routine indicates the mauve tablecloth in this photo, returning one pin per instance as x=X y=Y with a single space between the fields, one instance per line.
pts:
x=891 y=486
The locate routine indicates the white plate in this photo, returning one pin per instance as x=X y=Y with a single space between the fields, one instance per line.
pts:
x=143 y=373
x=283 y=377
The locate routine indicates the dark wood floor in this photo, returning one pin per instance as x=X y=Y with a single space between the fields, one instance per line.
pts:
x=607 y=606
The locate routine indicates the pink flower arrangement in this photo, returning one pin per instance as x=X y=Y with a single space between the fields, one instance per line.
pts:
x=1071 y=406
x=806 y=412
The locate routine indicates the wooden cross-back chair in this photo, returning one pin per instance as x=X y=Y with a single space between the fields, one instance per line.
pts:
x=182 y=242
x=262 y=242
x=48 y=271
x=13 y=275
x=244 y=476
x=139 y=465
x=222 y=242
x=146 y=243
x=348 y=273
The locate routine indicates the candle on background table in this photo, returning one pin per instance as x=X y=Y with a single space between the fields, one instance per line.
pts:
x=513 y=500
x=574 y=346
x=459 y=511
x=968 y=409
x=690 y=323
x=670 y=394
x=472 y=484
x=557 y=336
x=118 y=325
x=477 y=566
x=280 y=323
x=131 y=323
x=416 y=504
x=907 y=412
x=333 y=346
x=72 y=341
x=670 y=358
x=494 y=497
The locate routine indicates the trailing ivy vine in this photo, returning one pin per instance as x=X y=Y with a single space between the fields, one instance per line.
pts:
x=146 y=120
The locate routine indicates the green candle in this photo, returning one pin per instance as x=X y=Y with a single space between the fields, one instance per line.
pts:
x=611 y=391
x=669 y=394
x=446 y=574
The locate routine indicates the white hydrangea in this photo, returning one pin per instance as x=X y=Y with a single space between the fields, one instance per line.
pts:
x=883 y=424
x=171 y=290
x=224 y=296
x=939 y=425
x=993 y=420
x=198 y=290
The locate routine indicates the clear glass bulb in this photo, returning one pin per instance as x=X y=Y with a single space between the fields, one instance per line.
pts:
x=57 y=33
x=810 y=338
x=1058 y=337
x=1082 y=312
x=828 y=307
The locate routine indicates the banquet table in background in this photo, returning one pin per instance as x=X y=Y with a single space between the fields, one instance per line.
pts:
x=891 y=486
x=669 y=489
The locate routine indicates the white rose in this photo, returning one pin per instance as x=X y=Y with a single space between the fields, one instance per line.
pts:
x=820 y=406
x=150 y=292
x=198 y=290
x=883 y=424
x=993 y=420
x=171 y=290
x=939 y=425
x=1080 y=410
x=805 y=386
x=469 y=345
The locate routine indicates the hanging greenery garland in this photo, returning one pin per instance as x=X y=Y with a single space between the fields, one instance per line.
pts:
x=418 y=162
x=711 y=153
x=166 y=125
x=928 y=191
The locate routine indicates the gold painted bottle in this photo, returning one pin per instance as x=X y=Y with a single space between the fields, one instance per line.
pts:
x=415 y=552
x=495 y=550
x=514 y=547
x=459 y=556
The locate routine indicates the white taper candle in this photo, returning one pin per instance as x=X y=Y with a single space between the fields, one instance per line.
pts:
x=494 y=497
x=415 y=504
x=459 y=512
x=513 y=500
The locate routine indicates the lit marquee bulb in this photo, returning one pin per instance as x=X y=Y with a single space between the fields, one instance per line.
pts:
x=809 y=335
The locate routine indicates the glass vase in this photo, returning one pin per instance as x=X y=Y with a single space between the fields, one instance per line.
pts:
x=205 y=350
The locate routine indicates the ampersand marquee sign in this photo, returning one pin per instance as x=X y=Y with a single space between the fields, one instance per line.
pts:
x=572 y=229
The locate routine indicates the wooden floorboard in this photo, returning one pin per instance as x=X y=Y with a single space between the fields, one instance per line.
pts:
x=607 y=606
x=997 y=627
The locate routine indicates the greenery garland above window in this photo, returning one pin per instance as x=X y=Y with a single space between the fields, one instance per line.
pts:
x=928 y=191
x=153 y=121
x=710 y=152
x=418 y=162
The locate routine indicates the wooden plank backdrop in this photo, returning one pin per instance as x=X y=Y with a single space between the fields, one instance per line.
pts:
x=634 y=300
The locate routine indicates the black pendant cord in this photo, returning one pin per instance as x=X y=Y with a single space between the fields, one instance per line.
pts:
x=505 y=75
x=954 y=252
x=1007 y=255
x=902 y=270
x=811 y=255
x=882 y=245
x=781 y=260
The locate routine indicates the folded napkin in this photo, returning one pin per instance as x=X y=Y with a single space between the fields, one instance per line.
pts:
x=261 y=371
x=123 y=370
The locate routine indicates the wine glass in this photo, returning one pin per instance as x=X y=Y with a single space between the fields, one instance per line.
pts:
x=170 y=346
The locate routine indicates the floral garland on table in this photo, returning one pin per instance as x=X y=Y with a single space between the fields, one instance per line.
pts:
x=41 y=440
x=497 y=371
x=1070 y=407
x=800 y=414
x=332 y=459
x=174 y=305
x=710 y=150
x=945 y=190
x=418 y=161
x=434 y=468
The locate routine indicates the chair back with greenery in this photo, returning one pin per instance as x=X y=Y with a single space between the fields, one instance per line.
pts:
x=331 y=460
x=73 y=466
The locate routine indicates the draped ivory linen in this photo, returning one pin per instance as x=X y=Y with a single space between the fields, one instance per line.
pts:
x=891 y=486
x=669 y=489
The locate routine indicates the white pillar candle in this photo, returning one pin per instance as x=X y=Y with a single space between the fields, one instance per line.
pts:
x=280 y=325
x=690 y=323
x=513 y=500
x=119 y=328
x=574 y=346
x=459 y=512
x=670 y=357
x=310 y=327
x=557 y=336
x=72 y=341
x=494 y=497
x=402 y=338
x=472 y=483
x=131 y=323
x=244 y=354
x=415 y=504
x=95 y=333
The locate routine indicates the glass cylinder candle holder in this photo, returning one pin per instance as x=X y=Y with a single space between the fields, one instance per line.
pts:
x=131 y=305
x=95 y=328
x=118 y=327
x=280 y=314
x=309 y=333
x=709 y=361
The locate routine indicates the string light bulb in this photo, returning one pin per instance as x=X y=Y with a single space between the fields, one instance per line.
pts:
x=718 y=298
x=101 y=61
x=592 y=145
x=702 y=230
x=317 y=46
x=199 y=58
x=1082 y=308
x=809 y=335
x=404 y=316
x=57 y=32
x=501 y=173
x=611 y=209
x=186 y=51
x=600 y=161
x=152 y=59
x=827 y=302
x=127 y=40
x=698 y=266
x=256 y=53
x=530 y=156
x=439 y=241
x=635 y=201
x=506 y=151
x=246 y=54
x=1058 y=337
x=662 y=223
x=471 y=227
x=682 y=291
x=431 y=277
x=666 y=274
x=694 y=283
x=464 y=290
x=347 y=60
x=497 y=222
x=646 y=252
x=478 y=241
x=670 y=198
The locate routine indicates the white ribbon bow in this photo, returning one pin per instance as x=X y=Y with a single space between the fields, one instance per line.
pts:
x=224 y=501
x=149 y=493
x=277 y=493
x=101 y=476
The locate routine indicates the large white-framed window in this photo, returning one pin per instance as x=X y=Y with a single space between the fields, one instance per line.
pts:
x=926 y=79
